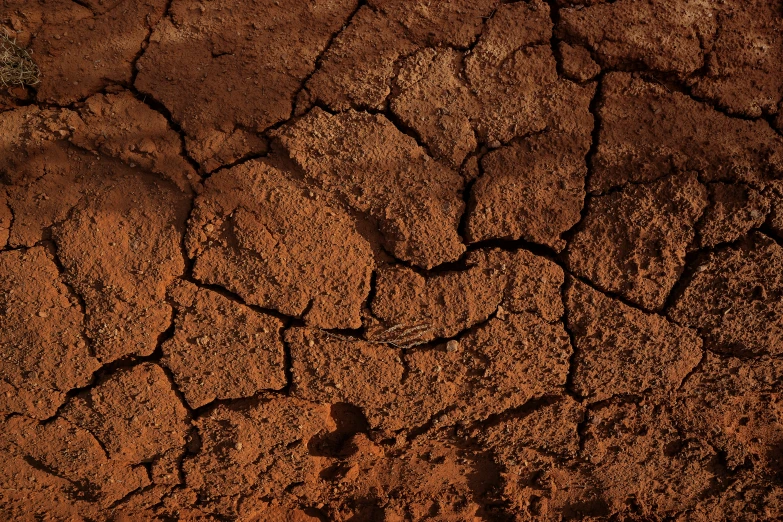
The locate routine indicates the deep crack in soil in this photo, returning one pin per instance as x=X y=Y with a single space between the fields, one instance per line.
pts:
x=390 y=260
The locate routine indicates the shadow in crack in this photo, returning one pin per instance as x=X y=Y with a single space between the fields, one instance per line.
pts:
x=349 y=421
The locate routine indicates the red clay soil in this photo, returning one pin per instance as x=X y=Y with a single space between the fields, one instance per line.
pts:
x=393 y=260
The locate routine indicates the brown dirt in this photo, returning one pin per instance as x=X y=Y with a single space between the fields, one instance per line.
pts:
x=389 y=260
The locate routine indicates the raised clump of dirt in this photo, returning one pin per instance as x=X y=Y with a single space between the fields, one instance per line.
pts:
x=391 y=260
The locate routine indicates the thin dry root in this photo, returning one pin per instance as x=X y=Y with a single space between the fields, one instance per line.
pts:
x=16 y=66
x=407 y=338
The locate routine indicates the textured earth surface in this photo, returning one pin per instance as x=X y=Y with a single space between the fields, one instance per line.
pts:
x=393 y=260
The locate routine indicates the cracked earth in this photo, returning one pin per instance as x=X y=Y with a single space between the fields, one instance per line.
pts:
x=393 y=261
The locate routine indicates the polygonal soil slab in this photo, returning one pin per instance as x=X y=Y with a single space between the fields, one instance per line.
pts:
x=104 y=437
x=735 y=298
x=499 y=365
x=413 y=308
x=730 y=52
x=507 y=86
x=118 y=228
x=664 y=35
x=273 y=242
x=578 y=64
x=633 y=241
x=72 y=453
x=263 y=446
x=82 y=47
x=455 y=23
x=120 y=248
x=222 y=349
x=414 y=200
x=358 y=68
x=509 y=70
x=532 y=189
x=433 y=98
x=122 y=126
x=44 y=353
x=734 y=210
x=231 y=70
x=648 y=131
x=621 y=350
x=135 y=414
x=733 y=404
x=327 y=368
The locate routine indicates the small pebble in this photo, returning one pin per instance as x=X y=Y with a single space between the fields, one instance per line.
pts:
x=238 y=446
x=311 y=343
x=452 y=346
x=42 y=314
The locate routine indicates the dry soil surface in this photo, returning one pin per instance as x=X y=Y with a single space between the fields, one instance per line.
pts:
x=393 y=260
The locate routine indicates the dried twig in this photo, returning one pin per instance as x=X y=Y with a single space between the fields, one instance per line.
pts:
x=407 y=338
x=16 y=66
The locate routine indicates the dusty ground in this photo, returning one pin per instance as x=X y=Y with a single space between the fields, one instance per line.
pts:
x=393 y=261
